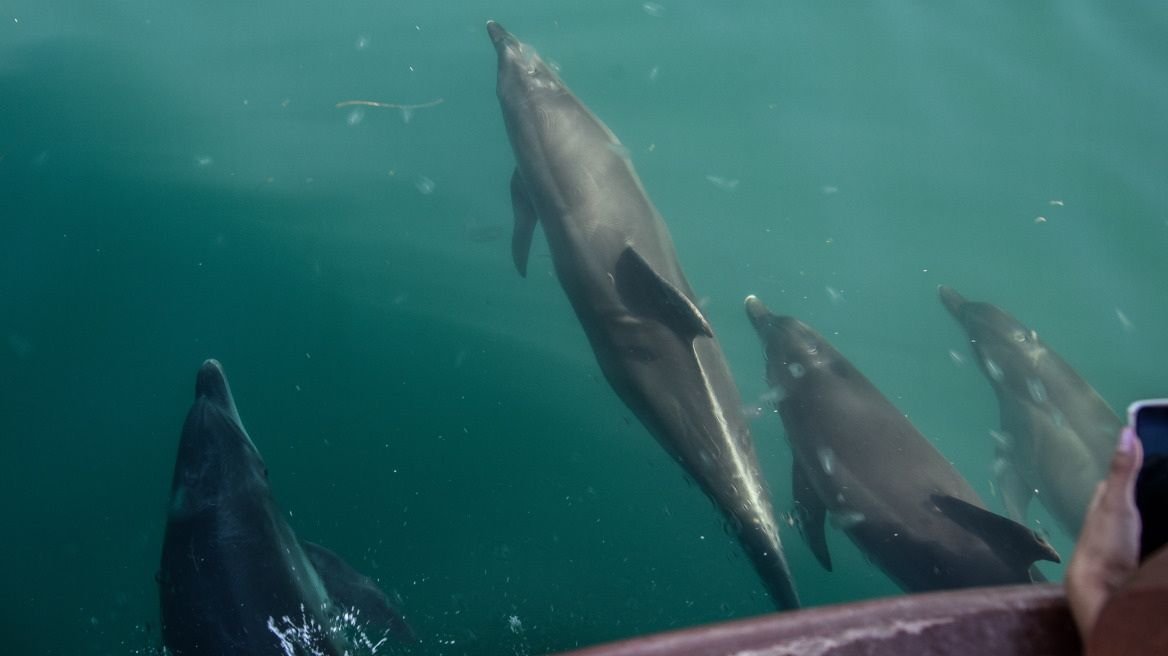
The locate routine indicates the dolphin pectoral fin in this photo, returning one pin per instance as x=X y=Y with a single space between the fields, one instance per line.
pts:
x=811 y=514
x=351 y=589
x=525 y=220
x=1012 y=541
x=649 y=295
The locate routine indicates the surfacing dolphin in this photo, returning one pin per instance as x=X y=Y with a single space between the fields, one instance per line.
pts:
x=898 y=499
x=615 y=260
x=234 y=578
x=1057 y=434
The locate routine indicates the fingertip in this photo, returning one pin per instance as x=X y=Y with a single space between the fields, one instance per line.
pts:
x=1127 y=438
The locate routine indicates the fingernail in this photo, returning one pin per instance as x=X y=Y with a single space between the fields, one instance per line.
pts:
x=1126 y=437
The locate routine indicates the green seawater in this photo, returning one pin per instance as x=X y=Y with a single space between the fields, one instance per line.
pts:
x=177 y=183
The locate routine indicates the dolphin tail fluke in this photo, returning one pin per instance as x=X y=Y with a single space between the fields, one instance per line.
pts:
x=1009 y=539
x=811 y=513
x=353 y=590
x=761 y=543
x=649 y=295
x=525 y=220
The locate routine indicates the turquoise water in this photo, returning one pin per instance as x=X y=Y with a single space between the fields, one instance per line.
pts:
x=177 y=183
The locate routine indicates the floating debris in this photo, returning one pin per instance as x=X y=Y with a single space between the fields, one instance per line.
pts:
x=727 y=184
x=407 y=111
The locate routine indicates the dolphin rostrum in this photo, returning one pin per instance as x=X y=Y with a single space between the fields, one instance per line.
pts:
x=234 y=578
x=898 y=499
x=615 y=260
x=1057 y=434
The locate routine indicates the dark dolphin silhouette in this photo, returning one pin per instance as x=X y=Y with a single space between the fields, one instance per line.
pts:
x=897 y=498
x=234 y=578
x=615 y=260
x=1058 y=434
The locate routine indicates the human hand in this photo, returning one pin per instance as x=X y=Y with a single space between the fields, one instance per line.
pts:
x=1108 y=549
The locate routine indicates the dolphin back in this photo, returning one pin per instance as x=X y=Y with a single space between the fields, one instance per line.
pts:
x=233 y=577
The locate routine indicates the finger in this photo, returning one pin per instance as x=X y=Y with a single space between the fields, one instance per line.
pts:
x=1119 y=487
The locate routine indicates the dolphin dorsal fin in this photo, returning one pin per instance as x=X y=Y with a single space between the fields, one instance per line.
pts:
x=1012 y=541
x=649 y=295
x=525 y=220
x=351 y=589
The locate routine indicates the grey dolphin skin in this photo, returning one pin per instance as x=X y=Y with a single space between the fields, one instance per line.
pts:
x=234 y=578
x=1058 y=434
x=892 y=493
x=615 y=260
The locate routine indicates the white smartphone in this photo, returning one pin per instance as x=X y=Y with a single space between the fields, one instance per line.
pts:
x=1149 y=418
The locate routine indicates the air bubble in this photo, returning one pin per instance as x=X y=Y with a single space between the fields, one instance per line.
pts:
x=1057 y=417
x=1005 y=441
x=619 y=149
x=1037 y=390
x=846 y=519
x=826 y=459
x=993 y=370
x=773 y=396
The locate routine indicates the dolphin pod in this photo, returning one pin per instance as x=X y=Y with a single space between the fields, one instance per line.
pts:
x=234 y=579
x=1057 y=433
x=856 y=456
x=615 y=261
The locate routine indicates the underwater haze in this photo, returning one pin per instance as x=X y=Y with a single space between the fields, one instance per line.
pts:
x=178 y=182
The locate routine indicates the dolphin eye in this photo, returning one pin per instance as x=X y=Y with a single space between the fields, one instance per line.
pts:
x=1019 y=336
x=641 y=354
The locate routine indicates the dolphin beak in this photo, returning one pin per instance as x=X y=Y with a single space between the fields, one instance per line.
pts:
x=508 y=47
x=952 y=300
x=497 y=32
x=757 y=312
x=211 y=383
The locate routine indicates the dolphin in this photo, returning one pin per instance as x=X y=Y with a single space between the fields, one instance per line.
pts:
x=1057 y=434
x=234 y=578
x=615 y=261
x=892 y=493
